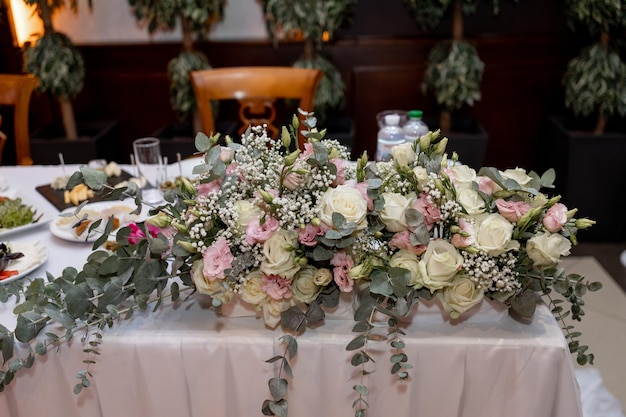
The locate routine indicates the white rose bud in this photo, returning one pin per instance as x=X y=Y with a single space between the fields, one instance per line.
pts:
x=392 y=214
x=403 y=154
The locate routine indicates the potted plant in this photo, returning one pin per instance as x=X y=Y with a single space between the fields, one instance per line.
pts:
x=592 y=139
x=315 y=22
x=61 y=71
x=195 y=17
x=453 y=74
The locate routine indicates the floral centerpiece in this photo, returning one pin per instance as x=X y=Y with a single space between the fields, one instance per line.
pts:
x=287 y=231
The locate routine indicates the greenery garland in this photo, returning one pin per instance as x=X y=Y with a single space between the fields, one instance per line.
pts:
x=182 y=97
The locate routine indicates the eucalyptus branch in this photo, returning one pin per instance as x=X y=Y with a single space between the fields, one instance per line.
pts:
x=360 y=358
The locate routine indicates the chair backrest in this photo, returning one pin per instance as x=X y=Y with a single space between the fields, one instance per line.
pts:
x=15 y=90
x=256 y=89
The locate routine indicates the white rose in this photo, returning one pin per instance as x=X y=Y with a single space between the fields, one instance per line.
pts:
x=322 y=277
x=546 y=249
x=441 y=262
x=392 y=214
x=403 y=154
x=273 y=308
x=347 y=201
x=279 y=257
x=463 y=176
x=422 y=176
x=409 y=261
x=246 y=212
x=252 y=291
x=494 y=234
x=304 y=287
x=215 y=288
x=471 y=201
x=460 y=296
x=518 y=175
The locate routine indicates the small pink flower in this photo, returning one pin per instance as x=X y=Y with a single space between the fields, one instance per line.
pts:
x=460 y=241
x=487 y=185
x=209 y=187
x=512 y=210
x=136 y=234
x=430 y=211
x=276 y=287
x=402 y=240
x=308 y=235
x=341 y=171
x=555 y=218
x=362 y=188
x=259 y=233
x=216 y=259
x=342 y=264
x=293 y=180
x=308 y=151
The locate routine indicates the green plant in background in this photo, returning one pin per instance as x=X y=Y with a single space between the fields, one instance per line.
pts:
x=195 y=17
x=595 y=80
x=315 y=21
x=454 y=70
x=56 y=62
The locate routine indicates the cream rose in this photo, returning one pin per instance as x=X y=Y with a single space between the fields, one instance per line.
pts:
x=215 y=288
x=347 y=201
x=246 y=212
x=273 y=308
x=403 y=154
x=518 y=175
x=304 y=287
x=463 y=176
x=441 y=262
x=392 y=215
x=546 y=249
x=408 y=260
x=322 y=277
x=279 y=255
x=251 y=290
x=461 y=296
x=471 y=201
x=494 y=234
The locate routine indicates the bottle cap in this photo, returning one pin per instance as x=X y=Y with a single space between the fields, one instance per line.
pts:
x=392 y=119
x=415 y=114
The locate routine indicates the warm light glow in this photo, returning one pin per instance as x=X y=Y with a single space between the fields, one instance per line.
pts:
x=325 y=36
x=26 y=24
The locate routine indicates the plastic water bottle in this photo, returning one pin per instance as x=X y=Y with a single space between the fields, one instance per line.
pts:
x=389 y=136
x=415 y=127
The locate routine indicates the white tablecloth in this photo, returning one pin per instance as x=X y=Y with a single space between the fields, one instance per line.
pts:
x=183 y=360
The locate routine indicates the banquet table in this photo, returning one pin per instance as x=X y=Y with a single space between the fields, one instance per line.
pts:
x=186 y=360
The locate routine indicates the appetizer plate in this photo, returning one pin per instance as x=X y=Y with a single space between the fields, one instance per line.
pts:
x=42 y=220
x=35 y=255
x=62 y=227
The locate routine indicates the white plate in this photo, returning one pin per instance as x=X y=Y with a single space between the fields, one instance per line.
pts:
x=61 y=227
x=34 y=256
x=43 y=220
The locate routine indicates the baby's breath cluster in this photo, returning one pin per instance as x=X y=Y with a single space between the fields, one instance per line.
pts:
x=492 y=273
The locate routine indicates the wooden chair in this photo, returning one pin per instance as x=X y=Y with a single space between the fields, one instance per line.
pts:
x=15 y=90
x=256 y=89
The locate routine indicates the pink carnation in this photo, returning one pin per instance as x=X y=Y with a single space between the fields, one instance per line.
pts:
x=216 y=259
x=136 y=234
x=259 y=233
x=308 y=235
x=487 y=185
x=342 y=265
x=276 y=287
x=341 y=171
x=555 y=218
x=209 y=187
x=430 y=211
x=308 y=151
x=402 y=240
x=512 y=210
x=460 y=241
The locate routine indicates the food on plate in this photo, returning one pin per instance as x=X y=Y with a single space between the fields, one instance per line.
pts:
x=14 y=213
x=112 y=169
x=6 y=258
x=59 y=183
x=80 y=222
x=77 y=194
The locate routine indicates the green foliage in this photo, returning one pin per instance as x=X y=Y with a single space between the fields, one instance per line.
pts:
x=597 y=16
x=278 y=405
x=454 y=74
x=182 y=96
x=596 y=81
x=57 y=4
x=57 y=63
x=163 y=14
x=331 y=89
x=427 y=14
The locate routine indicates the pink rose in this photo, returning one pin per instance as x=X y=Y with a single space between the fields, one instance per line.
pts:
x=512 y=210
x=430 y=211
x=555 y=218
x=209 y=187
x=487 y=185
x=342 y=264
x=136 y=234
x=216 y=259
x=308 y=235
x=341 y=171
x=460 y=241
x=362 y=188
x=276 y=287
x=259 y=233
x=308 y=151
x=402 y=240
